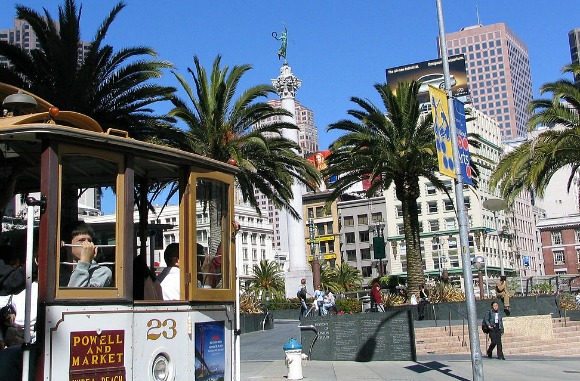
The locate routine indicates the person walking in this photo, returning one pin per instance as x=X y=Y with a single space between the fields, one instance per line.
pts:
x=376 y=298
x=503 y=293
x=493 y=320
x=302 y=294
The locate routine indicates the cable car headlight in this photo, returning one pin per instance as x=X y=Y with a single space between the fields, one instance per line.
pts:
x=160 y=368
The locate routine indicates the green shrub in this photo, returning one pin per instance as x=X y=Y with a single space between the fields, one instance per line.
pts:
x=348 y=305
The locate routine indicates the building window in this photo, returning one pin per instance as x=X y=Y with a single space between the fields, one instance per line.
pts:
x=434 y=225
x=363 y=219
x=349 y=237
x=363 y=236
x=320 y=229
x=432 y=207
x=577 y=235
x=557 y=238
x=448 y=205
x=263 y=254
x=378 y=217
x=351 y=255
x=365 y=253
x=452 y=243
x=399 y=211
x=449 y=223
x=578 y=255
x=430 y=189
x=559 y=258
x=245 y=251
x=349 y=221
x=467 y=203
x=401 y=229
x=319 y=211
x=254 y=254
x=329 y=229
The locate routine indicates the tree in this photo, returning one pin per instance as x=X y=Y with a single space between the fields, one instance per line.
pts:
x=267 y=281
x=532 y=165
x=221 y=128
x=341 y=278
x=396 y=147
x=113 y=88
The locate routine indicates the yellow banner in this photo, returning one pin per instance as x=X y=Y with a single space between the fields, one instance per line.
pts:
x=440 y=112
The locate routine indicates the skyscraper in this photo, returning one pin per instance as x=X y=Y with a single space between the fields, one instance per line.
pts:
x=574 y=36
x=498 y=73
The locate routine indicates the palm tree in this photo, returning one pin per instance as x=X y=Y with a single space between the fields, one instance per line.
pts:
x=113 y=88
x=221 y=127
x=393 y=147
x=532 y=165
x=341 y=278
x=268 y=280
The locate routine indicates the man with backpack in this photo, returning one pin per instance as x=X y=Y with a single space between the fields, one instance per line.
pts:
x=302 y=294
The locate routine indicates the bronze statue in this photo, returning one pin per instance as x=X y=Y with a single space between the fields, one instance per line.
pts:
x=284 y=39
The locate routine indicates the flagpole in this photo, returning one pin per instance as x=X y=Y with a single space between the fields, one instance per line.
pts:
x=476 y=358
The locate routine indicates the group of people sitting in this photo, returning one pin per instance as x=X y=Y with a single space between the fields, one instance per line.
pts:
x=324 y=300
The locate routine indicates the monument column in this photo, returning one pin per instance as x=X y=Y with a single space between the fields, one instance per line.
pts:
x=292 y=237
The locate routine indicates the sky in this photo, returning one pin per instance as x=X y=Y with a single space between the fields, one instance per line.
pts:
x=339 y=49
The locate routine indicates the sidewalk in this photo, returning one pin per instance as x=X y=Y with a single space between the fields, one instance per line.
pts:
x=424 y=369
x=263 y=359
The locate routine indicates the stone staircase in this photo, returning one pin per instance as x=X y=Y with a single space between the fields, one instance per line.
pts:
x=561 y=339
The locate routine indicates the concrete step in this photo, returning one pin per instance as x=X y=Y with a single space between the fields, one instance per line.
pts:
x=437 y=340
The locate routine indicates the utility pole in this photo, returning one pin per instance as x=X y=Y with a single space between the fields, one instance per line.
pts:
x=315 y=262
x=473 y=326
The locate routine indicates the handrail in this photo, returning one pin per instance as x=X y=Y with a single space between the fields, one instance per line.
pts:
x=310 y=328
x=463 y=319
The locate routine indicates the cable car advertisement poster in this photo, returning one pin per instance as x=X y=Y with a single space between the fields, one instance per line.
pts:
x=210 y=354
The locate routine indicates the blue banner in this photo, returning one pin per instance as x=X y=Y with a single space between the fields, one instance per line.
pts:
x=463 y=142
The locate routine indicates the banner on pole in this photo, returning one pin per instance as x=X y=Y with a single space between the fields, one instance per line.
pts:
x=463 y=142
x=440 y=112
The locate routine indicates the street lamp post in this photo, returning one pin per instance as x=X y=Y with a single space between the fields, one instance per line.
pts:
x=472 y=324
x=479 y=262
x=315 y=263
x=495 y=205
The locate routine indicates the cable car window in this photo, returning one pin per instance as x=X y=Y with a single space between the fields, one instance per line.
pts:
x=212 y=217
x=87 y=253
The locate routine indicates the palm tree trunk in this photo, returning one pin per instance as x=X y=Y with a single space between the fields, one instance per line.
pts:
x=407 y=193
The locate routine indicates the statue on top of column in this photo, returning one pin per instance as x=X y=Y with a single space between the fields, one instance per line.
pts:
x=284 y=38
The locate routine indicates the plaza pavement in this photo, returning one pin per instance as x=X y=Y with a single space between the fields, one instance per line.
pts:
x=263 y=360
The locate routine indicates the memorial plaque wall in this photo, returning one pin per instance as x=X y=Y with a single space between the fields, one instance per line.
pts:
x=361 y=337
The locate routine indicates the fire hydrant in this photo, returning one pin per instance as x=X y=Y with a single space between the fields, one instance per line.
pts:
x=294 y=357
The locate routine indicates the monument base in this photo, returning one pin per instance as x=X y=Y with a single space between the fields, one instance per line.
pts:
x=292 y=279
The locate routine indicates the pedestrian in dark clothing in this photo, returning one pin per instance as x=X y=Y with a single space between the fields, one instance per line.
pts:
x=493 y=319
x=423 y=301
x=302 y=295
x=12 y=275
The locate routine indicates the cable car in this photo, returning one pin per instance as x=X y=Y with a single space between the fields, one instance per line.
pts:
x=112 y=330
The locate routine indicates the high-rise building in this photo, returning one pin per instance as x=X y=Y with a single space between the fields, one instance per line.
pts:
x=23 y=35
x=308 y=141
x=498 y=74
x=574 y=36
